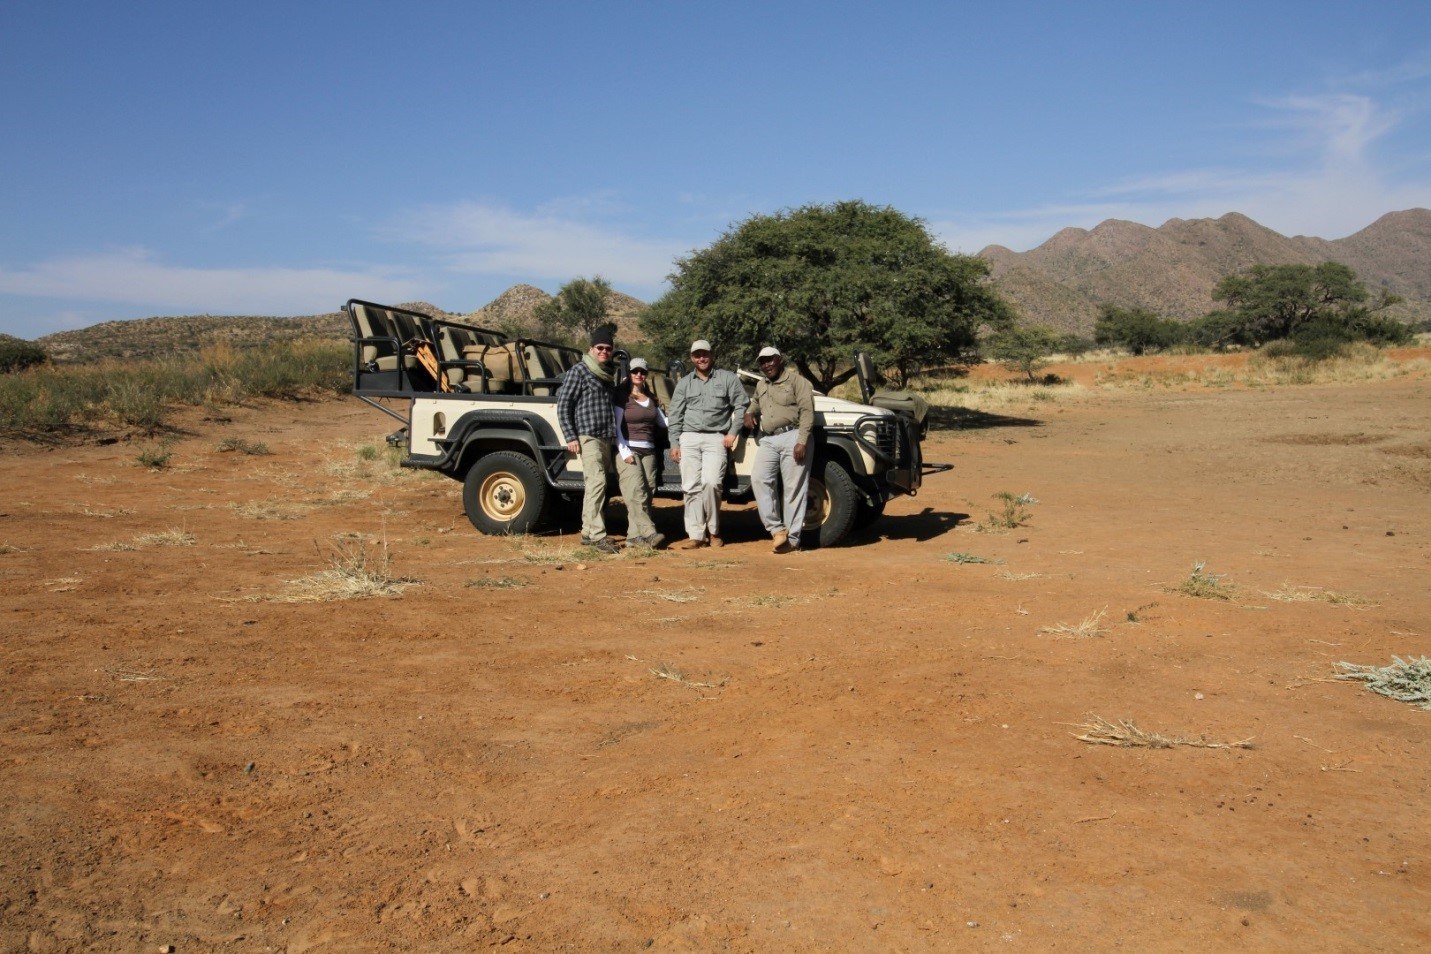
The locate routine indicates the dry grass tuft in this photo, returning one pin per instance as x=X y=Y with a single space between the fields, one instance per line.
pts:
x=1124 y=734
x=668 y=671
x=7 y=548
x=270 y=510
x=716 y=564
x=766 y=601
x=1204 y=585
x=498 y=583
x=355 y=572
x=970 y=558
x=1090 y=626
x=168 y=538
x=252 y=448
x=688 y=595
x=107 y=514
x=1288 y=593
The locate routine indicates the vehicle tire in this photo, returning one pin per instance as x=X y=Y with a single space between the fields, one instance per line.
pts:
x=832 y=505
x=504 y=492
x=866 y=515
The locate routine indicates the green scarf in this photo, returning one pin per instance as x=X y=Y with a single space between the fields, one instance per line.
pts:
x=606 y=373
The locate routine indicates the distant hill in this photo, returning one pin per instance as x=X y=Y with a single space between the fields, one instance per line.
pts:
x=1172 y=270
x=151 y=337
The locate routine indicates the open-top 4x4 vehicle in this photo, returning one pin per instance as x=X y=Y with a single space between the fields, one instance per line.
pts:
x=481 y=409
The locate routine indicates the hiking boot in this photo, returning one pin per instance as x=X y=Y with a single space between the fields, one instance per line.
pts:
x=655 y=540
x=717 y=541
x=781 y=541
x=785 y=546
x=691 y=543
x=605 y=545
x=636 y=542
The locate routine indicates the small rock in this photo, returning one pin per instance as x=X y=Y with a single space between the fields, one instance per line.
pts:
x=248 y=769
x=1197 y=695
x=972 y=924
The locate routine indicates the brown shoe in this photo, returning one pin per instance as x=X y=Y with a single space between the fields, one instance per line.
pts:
x=780 y=540
x=690 y=544
x=717 y=541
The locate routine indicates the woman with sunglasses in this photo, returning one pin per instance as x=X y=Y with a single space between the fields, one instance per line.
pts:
x=639 y=424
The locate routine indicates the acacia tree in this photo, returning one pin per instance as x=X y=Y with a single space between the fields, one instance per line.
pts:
x=578 y=309
x=1136 y=329
x=1268 y=302
x=1024 y=348
x=824 y=281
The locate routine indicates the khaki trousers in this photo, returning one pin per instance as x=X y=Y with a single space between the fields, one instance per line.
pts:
x=638 y=482
x=595 y=459
x=703 y=459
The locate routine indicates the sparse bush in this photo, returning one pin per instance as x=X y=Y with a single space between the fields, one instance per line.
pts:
x=1137 y=329
x=43 y=400
x=17 y=354
x=1205 y=585
x=1015 y=512
x=1023 y=348
x=155 y=458
x=252 y=448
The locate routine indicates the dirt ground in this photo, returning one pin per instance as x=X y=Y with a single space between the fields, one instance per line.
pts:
x=870 y=747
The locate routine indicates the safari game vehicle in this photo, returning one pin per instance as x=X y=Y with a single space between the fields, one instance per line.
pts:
x=480 y=407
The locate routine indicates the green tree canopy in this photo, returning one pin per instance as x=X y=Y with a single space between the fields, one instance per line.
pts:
x=1136 y=329
x=578 y=309
x=822 y=282
x=1024 y=348
x=1268 y=302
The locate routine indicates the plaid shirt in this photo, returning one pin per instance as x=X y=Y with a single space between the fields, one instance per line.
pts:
x=584 y=405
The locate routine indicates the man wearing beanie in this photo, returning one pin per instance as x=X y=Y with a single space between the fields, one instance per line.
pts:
x=588 y=423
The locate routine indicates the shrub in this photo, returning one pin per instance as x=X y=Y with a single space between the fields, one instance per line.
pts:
x=1136 y=329
x=17 y=355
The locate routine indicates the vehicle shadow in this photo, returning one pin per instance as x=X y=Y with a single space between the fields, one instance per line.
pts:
x=925 y=525
x=968 y=419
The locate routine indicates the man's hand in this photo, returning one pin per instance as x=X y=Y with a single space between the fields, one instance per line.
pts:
x=630 y=458
x=799 y=453
x=750 y=420
x=729 y=441
x=574 y=447
x=675 y=455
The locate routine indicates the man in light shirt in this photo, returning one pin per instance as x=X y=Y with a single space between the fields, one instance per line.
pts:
x=707 y=409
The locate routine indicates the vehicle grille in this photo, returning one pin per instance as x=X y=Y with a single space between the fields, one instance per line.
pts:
x=883 y=433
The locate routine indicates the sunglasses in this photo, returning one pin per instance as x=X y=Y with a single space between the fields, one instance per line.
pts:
x=601 y=347
x=638 y=371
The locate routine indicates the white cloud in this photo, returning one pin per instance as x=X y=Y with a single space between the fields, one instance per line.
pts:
x=135 y=277
x=552 y=243
x=1330 y=184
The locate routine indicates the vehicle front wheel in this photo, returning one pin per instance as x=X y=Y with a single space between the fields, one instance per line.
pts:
x=830 y=512
x=504 y=492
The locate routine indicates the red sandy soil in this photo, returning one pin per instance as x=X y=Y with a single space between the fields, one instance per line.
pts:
x=874 y=747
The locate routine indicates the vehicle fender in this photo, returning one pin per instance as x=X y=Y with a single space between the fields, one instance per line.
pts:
x=478 y=432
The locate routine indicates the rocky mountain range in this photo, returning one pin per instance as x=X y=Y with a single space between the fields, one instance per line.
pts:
x=1170 y=270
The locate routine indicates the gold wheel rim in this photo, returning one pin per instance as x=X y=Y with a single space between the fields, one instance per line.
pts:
x=502 y=496
x=818 y=504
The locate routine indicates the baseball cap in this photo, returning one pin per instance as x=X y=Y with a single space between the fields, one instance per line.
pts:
x=769 y=351
x=700 y=344
x=638 y=364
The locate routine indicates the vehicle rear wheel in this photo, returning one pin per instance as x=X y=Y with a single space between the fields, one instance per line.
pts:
x=504 y=492
x=830 y=512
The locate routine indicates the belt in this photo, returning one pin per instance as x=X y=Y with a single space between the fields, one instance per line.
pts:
x=703 y=432
x=779 y=430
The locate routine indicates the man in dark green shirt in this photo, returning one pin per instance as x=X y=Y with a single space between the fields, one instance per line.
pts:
x=783 y=409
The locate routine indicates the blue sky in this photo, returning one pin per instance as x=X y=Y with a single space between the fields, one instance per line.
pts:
x=278 y=158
